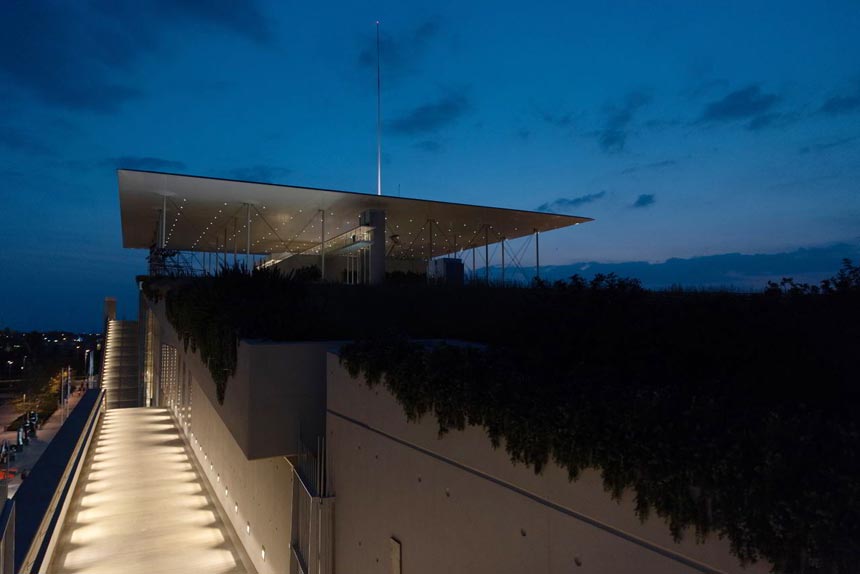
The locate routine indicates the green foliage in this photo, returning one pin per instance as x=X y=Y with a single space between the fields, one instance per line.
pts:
x=725 y=413
x=39 y=393
x=211 y=314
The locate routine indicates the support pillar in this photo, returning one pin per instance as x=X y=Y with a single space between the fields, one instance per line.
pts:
x=537 y=254
x=487 y=254
x=474 y=269
x=163 y=238
x=248 y=239
x=503 y=261
x=322 y=244
x=429 y=247
x=376 y=254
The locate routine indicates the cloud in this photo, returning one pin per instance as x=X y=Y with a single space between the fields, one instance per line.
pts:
x=613 y=136
x=430 y=146
x=15 y=140
x=76 y=55
x=823 y=146
x=399 y=54
x=559 y=120
x=843 y=103
x=244 y=19
x=654 y=165
x=567 y=204
x=259 y=172
x=523 y=133
x=432 y=116
x=144 y=163
x=704 y=88
x=746 y=104
x=661 y=123
x=644 y=200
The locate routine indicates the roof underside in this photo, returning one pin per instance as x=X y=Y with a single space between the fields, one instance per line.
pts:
x=205 y=214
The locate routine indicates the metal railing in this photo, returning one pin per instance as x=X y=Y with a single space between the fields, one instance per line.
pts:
x=42 y=500
x=312 y=527
x=7 y=534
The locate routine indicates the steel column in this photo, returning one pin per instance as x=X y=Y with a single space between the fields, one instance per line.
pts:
x=487 y=253
x=322 y=244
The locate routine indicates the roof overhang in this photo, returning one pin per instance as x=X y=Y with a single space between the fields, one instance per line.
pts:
x=208 y=214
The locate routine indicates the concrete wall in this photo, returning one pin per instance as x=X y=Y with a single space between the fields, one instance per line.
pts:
x=277 y=392
x=263 y=489
x=456 y=505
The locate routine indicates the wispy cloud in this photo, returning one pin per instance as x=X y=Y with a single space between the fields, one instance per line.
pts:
x=399 y=53
x=145 y=163
x=431 y=116
x=613 y=136
x=430 y=146
x=827 y=145
x=644 y=200
x=13 y=139
x=259 y=172
x=841 y=104
x=704 y=88
x=749 y=104
x=559 y=119
x=76 y=54
x=567 y=204
x=245 y=18
x=653 y=165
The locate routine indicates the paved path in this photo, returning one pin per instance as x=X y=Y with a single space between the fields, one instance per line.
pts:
x=141 y=506
x=27 y=459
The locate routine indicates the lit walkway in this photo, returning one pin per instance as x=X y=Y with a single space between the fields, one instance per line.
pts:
x=140 y=506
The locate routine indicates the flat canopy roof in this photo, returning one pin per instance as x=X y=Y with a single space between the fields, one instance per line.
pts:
x=208 y=214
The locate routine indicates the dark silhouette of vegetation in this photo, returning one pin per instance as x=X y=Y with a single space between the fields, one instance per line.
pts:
x=846 y=281
x=726 y=413
x=405 y=278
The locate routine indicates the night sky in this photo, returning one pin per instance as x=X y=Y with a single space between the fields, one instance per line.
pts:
x=684 y=128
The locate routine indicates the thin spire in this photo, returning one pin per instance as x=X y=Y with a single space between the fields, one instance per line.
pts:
x=378 y=118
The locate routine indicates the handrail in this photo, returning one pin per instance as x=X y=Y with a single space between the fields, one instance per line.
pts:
x=7 y=535
x=43 y=499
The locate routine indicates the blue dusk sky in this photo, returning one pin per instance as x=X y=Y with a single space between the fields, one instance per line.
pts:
x=686 y=129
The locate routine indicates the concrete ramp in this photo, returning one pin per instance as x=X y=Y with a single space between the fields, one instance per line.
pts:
x=141 y=506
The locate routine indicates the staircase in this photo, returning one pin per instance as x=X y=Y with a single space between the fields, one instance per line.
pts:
x=120 y=369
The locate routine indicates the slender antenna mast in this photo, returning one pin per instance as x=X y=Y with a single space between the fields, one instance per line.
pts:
x=378 y=118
